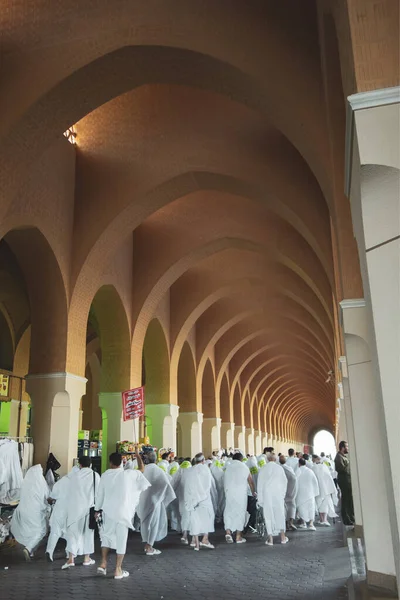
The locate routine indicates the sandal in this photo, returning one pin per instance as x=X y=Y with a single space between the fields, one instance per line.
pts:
x=101 y=571
x=123 y=576
x=90 y=563
x=229 y=539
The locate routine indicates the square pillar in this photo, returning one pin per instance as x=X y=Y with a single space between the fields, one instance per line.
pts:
x=249 y=440
x=164 y=419
x=366 y=419
x=227 y=435
x=264 y=441
x=240 y=437
x=56 y=400
x=257 y=442
x=18 y=411
x=111 y=411
x=190 y=432
x=211 y=435
x=345 y=404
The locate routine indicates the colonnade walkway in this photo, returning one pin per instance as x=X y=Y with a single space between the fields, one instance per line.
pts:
x=313 y=566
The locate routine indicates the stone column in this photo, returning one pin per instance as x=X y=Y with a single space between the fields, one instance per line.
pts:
x=191 y=424
x=347 y=417
x=264 y=441
x=56 y=400
x=257 y=442
x=372 y=184
x=164 y=418
x=366 y=419
x=341 y=416
x=110 y=404
x=211 y=435
x=240 y=437
x=227 y=435
x=18 y=411
x=249 y=440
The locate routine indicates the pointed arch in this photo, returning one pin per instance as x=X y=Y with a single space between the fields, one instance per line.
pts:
x=186 y=381
x=209 y=406
x=156 y=365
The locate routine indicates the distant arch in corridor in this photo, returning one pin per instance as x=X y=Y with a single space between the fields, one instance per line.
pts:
x=324 y=441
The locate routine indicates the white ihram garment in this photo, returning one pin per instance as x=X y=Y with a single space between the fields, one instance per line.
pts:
x=58 y=519
x=118 y=496
x=327 y=498
x=29 y=521
x=235 y=486
x=173 y=508
x=307 y=491
x=218 y=474
x=178 y=484
x=11 y=476
x=164 y=465
x=197 y=488
x=252 y=465
x=290 y=498
x=293 y=462
x=80 y=539
x=152 y=509
x=272 y=486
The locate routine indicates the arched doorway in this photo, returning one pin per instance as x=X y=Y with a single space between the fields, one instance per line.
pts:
x=107 y=371
x=324 y=442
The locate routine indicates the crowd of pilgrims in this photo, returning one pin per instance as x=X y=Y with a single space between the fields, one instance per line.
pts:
x=150 y=493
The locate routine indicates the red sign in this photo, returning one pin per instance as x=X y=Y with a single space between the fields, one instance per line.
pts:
x=133 y=403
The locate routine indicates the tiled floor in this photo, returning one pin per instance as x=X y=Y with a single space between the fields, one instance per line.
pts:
x=313 y=566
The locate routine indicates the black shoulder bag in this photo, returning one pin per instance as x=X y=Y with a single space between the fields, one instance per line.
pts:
x=92 y=516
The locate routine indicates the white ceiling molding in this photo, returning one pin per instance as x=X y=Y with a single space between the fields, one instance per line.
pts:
x=362 y=101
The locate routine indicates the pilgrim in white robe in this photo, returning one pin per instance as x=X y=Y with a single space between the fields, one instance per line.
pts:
x=29 y=521
x=58 y=518
x=173 y=508
x=293 y=462
x=178 y=484
x=290 y=497
x=307 y=491
x=80 y=539
x=118 y=497
x=272 y=486
x=252 y=465
x=11 y=475
x=218 y=474
x=152 y=509
x=261 y=461
x=131 y=464
x=197 y=488
x=235 y=486
x=164 y=465
x=327 y=498
x=173 y=468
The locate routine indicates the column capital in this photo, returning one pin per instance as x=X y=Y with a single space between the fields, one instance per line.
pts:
x=214 y=420
x=362 y=101
x=60 y=375
x=196 y=415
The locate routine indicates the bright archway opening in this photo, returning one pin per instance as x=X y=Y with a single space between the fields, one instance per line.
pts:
x=324 y=442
